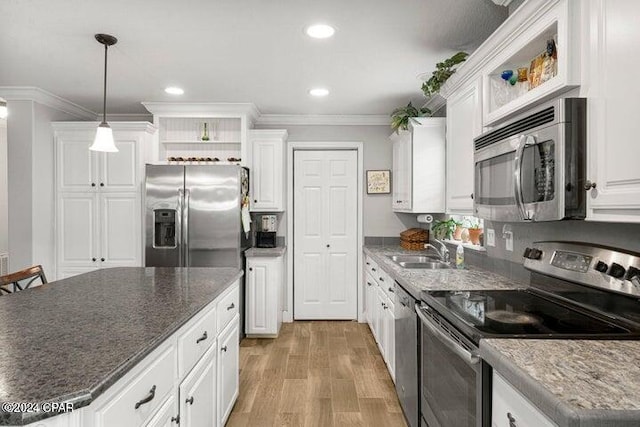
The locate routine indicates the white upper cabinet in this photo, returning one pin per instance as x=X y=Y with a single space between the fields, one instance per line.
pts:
x=419 y=167
x=464 y=122
x=613 y=149
x=267 y=170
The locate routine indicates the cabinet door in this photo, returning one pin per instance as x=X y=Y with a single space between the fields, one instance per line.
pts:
x=267 y=175
x=613 y=149
x=76 y=231
x=464 y=122
x=369 y=289
x=401 y=180
x=119 y=171
x=76 y=167
x=390 y=338
x=120 y=222
x=262 y=303
x=167 y=415
x=379 y=323
x=198 y=393
x=228 y=370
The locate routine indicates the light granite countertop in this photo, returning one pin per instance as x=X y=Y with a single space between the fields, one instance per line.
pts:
x=69 y=340
x=416 y=280
x=266 y=252
x=582 y=383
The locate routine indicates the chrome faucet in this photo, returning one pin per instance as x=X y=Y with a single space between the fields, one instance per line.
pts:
x=443 y=253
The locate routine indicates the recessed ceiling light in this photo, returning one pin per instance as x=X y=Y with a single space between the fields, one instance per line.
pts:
x=319 y=92
x=172 y=90
x=320 y=31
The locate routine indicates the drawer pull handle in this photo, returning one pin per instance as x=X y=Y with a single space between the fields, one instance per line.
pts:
x=373 y=269
x=512 y=420
x=190 y=400
x=391 y=290
x=202 y=338
x=148 y=398
x=381 y=279
x=231 y=307
x=368 y=283
x=224 y=348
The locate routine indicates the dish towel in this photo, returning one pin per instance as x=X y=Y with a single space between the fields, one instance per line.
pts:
x=246 y=217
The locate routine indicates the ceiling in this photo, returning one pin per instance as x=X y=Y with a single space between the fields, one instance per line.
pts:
x=238 y=50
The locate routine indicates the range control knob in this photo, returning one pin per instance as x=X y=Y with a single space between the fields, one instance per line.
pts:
x=526 y=253
x=633 y=272
x=617 y=271
x=535 y=253
x=601 y=267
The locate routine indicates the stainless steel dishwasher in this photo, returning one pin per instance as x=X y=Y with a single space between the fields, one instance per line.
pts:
x=407 y=351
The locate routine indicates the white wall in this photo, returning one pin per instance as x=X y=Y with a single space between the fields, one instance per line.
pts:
x=31 y=165
x=379 y=219
x=4 y=221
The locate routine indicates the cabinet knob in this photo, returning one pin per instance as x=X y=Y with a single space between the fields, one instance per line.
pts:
x=589 y=185
x=255 y=201
x=94 y=259
x=512 y=420
x=102 y=184
x=176 y=419
x=471 y=196
x=368 y=283
x=189 y=400
x=93 y=184
x=250 y=268
x=224 y=348
x=381 y=279
x=328 y=246
x=373 y=269
x=102 y=259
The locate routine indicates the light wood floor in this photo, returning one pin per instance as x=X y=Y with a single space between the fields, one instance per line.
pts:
x=315 y=374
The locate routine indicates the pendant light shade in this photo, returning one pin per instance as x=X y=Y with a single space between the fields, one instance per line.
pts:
x=104 y=135
x=3 y=110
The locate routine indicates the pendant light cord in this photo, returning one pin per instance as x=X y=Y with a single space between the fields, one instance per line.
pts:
x=104 y=99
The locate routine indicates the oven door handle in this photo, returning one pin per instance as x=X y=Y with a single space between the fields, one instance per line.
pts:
x=525 y=140
x=469 y=358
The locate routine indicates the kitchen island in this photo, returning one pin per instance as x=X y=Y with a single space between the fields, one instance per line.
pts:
x=70 y=341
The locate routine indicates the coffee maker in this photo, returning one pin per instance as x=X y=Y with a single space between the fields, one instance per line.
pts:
x=266 y=237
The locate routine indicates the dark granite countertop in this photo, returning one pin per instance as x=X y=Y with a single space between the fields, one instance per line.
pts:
x=583 y=383
x=69 y=340
x=416 y=280
x=266 y=252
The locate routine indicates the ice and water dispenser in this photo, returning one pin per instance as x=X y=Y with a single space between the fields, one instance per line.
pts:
x=164 y=228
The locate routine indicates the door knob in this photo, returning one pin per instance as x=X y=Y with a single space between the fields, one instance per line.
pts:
x=189 y=400
x=588 y=185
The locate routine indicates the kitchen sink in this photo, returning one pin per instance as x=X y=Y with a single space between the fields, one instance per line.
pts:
x=418 y=261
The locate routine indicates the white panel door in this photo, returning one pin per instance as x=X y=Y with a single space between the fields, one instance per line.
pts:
x=119 y=171
x=613 y=130
x=197 y=393
x=77 y=230
x=325 y=234
x=76 y=165
x=121 y=224
x=464 y=122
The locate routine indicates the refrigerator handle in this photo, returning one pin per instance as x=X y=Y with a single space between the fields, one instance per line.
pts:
x=179 y=210
x=185 y=247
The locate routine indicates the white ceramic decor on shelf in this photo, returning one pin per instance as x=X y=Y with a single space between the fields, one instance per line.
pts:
x=267 y=170
x=98 y=197
x=418 y=181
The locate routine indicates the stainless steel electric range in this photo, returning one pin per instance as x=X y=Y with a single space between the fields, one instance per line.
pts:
x=576 y=291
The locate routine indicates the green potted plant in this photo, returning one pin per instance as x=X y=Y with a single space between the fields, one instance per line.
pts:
x=474 y=232
x=400 y=116
x=443 y=229
x=444 y=70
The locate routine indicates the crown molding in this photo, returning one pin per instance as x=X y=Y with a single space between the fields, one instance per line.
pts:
x=29 y=93
x=116 y=126
x=323 y=120
x=203 y=109
x=132 y=117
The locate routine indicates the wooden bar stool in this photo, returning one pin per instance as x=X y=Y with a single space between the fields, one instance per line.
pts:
x=21 y=279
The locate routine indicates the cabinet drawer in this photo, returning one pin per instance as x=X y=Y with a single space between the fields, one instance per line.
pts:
x=228 y=307
x=146 y=391
x=195 y=340
x=387 y=284
x=509 y=407
x=371 y=267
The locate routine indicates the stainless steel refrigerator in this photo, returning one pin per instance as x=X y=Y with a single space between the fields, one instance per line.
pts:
x=193 y=217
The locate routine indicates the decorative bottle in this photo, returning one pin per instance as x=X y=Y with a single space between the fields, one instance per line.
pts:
x=205 y=132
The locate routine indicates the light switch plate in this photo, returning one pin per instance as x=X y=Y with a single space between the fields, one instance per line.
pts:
x=509 y=242
x=491 y=237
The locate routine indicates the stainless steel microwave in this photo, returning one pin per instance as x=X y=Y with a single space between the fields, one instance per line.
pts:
x=532 y=168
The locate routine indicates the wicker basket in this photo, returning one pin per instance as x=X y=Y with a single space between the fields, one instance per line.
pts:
x=414 y=239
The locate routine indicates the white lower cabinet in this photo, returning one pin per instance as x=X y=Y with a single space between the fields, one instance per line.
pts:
x=228 y=370
x=197 y=393
x=166 y=415
x=380 y=312
x=264 y=289
x=510 y=408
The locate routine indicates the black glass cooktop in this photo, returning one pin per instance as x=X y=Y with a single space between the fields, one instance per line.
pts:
x=520 y=313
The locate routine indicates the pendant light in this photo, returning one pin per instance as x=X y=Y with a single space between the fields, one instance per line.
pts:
x=104 y=134
x=3 y=110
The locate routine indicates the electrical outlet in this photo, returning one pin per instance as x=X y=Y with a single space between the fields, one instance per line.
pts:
x=491 y=237
x=509 y=242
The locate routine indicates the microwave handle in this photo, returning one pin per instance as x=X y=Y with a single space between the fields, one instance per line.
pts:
x=525 y=140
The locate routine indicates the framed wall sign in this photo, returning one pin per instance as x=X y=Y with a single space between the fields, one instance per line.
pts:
x=378 y=182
